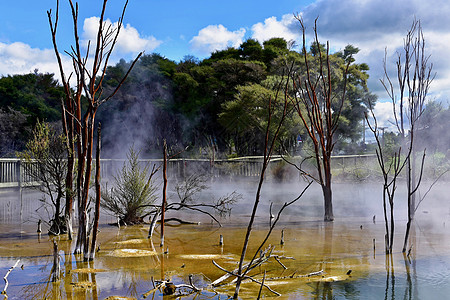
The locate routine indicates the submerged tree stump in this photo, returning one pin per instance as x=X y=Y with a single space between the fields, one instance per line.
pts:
x=56 y=269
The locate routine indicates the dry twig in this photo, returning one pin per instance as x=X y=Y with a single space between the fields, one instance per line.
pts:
x=5 y=278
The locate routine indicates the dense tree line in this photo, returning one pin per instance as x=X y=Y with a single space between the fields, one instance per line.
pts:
x=25 y=99
x=215 y=104
x=212 y=104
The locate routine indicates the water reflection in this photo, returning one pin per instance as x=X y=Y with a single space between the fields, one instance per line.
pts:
x=347 y=244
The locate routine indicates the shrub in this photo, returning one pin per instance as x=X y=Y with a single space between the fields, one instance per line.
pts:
x=134 y=191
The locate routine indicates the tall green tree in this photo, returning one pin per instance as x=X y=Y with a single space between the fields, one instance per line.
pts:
x=35 y=94
x=14 y=131
x=356 y=102
x=245 y=118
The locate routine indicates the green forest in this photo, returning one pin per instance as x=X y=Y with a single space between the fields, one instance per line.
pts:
x=215 y=104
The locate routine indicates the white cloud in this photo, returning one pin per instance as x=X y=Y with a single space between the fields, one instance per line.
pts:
x=129 y=40
x=376 y=25
x=20 y=58
x=274 y=28
x=385 y=116
x=216 y=37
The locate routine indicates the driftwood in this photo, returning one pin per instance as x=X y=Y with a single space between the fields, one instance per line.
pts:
x=5 y=278
x=263 y=258
x=293 y=276
x=181 y=221
x=169 y=288
x=278 y=260
x=262 y=285
x=247 y=277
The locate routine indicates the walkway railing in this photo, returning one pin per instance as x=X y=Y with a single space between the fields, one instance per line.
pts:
x=17 y=173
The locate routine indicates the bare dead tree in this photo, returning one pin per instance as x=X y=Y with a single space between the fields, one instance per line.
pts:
x=269 y=147
x=187 y=192
x=89 y=70
x=98 y=195
x=257 y=259
x=164 y=192
x=391 y=167
x=45 y=155
x=319 y=107
x=414 y=76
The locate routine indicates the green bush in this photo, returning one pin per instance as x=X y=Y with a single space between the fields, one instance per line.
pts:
x=134 y=192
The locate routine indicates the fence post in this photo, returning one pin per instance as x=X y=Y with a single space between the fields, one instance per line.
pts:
x=19 y=184
x=19 y=174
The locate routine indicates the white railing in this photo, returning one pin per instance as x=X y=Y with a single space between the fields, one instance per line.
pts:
x=15 y=173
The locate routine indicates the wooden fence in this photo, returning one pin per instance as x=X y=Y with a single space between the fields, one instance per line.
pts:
x=15 y=173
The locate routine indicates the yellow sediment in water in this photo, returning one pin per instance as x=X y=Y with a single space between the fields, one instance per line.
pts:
x=128 y=258
x=205 y=256
x=88 y=270
x=131 y=253
x=132 y=241
x=83 y=284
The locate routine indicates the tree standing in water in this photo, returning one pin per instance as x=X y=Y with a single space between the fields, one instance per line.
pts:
x=414 y=76
x=78 y=124
x=269 y=145
x=319 y=104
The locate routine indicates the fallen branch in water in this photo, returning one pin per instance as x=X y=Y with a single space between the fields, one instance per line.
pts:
x=181 y=221
x=168 y=288
x=265 y=255
x=247 y=277
x=261 y=286
x=298 y=276
x=262 y=258
x=5 y=278
x=278 y=260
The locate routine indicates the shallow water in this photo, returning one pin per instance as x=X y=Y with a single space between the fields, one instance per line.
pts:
x=127 y=260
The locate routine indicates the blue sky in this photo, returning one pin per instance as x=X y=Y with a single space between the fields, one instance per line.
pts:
x=175 y=28
x=172 y=24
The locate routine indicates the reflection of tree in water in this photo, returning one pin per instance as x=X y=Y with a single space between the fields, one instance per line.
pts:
x=41 y=289
x=73 y=285
x=410 y=260
x=347 y=288
x=67 y=278
x=324 y=290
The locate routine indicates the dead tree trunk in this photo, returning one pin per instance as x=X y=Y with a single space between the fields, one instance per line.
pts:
x=153 y=223
x=269 y=147
x=328 y=202
x=414 y=75
x=319 y=108
x=391 y=167
x=56 y=269
x=164 y=195
x=98 y=195
x=88 y=84
x=68 y=130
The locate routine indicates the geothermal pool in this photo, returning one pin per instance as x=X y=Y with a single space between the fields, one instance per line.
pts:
x=127 y=260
